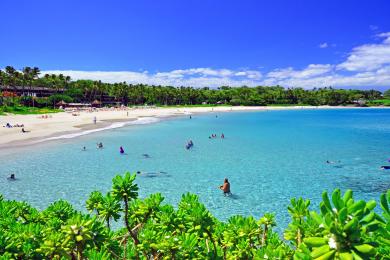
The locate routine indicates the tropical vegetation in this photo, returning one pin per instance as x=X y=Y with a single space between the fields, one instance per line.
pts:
x=64 y=88
x=343 y=228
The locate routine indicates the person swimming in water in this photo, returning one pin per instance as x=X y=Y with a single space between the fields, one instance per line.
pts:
x=11 y=177
x=332 y=162
x=99 y=145
x=189 y=145
x=222 y=136
x=84 y=148
x=225 y=187
x=121 y=150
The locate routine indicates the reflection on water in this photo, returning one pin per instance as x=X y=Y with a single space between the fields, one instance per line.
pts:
x=373 y=186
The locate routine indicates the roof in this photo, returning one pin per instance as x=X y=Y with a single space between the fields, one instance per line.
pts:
x=62 y=102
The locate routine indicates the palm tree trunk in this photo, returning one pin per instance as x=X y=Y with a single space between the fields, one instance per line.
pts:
x=133 y=236
x=299 y=237
x=264 y=235
x=212 y=241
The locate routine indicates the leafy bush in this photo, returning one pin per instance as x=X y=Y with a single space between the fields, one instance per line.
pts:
x=342 y=229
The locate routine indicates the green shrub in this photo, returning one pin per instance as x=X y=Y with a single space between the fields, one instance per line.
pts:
x=342 y=229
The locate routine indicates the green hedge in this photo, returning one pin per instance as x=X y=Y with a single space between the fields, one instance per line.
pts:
x=342 y=228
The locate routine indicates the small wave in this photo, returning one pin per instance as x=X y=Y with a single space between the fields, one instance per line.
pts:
x=139 y=121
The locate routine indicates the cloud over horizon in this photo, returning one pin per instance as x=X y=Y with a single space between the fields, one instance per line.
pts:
x=366 y=65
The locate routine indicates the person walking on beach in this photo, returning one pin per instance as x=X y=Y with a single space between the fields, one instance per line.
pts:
x=94 y=120
x=225 y=187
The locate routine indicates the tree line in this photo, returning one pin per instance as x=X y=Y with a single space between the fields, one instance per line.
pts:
x=343 y=228
x=64 y=88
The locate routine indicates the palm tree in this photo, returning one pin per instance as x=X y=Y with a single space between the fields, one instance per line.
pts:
x=34 y=75
x=268 y=220
x=124 y=188
x=66 y=81
x=11 y=73
x=26 y=76
x=109 y=208
x=298 y=209
x=95 y=201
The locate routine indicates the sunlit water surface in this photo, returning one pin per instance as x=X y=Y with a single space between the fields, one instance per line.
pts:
x=269 y=157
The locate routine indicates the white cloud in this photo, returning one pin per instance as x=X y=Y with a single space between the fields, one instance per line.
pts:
x=323 y=45
x=198 y=77
x=368 y=56
x=309 y=71
x=365 y=66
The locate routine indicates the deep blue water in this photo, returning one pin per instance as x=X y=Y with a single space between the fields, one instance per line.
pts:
x=269 y=157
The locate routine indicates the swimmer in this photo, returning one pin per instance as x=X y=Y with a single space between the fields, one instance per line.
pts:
x=332 y=162
x=11 y=177
x=121 y=150
x=222 y=136
x=225 y=187
x=84 y=148
x=145 y=155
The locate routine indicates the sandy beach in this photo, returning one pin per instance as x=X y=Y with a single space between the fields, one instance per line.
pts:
x=56 y=125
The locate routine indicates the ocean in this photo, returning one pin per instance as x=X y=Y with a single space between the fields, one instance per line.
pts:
x=269 y=157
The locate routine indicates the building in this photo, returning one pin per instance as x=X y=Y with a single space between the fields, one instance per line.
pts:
x=32 y=92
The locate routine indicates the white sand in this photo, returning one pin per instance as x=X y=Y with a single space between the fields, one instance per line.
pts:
x=59 y=123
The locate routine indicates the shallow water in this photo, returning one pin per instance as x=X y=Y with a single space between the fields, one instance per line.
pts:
x=269 y=157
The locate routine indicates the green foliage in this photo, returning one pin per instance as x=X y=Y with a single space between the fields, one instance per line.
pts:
x=53 y=99
x=342 y=229
x=344 y=226
x=380 y=102
x=21 y=110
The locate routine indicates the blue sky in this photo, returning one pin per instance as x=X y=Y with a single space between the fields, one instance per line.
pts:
x=202 y=43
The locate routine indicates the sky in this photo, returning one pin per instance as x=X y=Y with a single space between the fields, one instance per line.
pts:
x=295 y=43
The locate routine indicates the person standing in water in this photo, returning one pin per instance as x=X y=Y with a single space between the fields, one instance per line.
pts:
x=121 y=150
x=225 y=187
x=222 y=136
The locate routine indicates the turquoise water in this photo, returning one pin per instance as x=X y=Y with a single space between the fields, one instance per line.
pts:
x=269 y=157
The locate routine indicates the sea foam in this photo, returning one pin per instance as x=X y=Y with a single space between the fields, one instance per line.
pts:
x=139 y=121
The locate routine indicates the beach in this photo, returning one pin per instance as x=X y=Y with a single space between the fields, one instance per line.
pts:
x=40 y=128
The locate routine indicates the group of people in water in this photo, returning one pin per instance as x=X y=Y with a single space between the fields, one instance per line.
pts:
x=215 y=136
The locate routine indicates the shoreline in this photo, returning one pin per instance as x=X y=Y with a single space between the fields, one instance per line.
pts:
x=64 y=125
